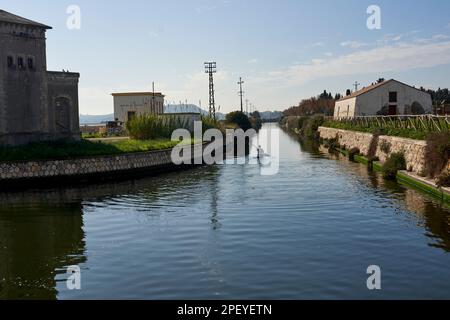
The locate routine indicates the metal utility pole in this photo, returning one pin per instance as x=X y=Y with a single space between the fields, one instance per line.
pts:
x=356 y=84
x=241 y=93
x=211 y=68
x=246 y=106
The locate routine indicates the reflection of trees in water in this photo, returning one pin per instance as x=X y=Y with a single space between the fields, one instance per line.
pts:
x=435 y=218
x=310 y=146
x=433 y=215
x=34 y=243
x=41 y=232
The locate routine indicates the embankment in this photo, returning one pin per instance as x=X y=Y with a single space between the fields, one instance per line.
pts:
x=99 y=167
x=382 y=147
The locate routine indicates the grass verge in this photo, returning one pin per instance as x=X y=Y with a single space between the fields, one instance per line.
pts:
x=60 y=150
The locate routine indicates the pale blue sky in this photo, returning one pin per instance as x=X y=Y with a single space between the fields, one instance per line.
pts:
x=285 y=50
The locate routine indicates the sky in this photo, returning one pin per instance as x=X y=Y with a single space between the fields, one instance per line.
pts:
x=285 y=50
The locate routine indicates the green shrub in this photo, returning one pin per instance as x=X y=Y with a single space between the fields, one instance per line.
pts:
x=352 y=153
x=151 y=126
x=437 y=153
x=332 y=144
x=302 y=122
x=443 y=179
x=385 y=147
x=256 y=123
x=393 y=164
x=240 y=119
x=311 y=126
x=210 y=123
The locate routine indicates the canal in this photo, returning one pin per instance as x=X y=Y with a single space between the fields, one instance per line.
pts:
x=228 y=232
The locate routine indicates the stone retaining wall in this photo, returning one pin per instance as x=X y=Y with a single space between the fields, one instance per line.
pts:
x=10 y=171
x=414 y=150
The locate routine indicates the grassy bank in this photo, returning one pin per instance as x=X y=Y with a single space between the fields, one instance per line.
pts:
x=401 y=177
x=78 y=149
x=396 y=132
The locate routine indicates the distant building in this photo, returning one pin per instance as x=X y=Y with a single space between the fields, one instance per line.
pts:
x=35 y=104
x=131 y=104
x=390 y=97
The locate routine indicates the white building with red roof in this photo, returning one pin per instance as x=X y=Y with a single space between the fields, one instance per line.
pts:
x=389 y=97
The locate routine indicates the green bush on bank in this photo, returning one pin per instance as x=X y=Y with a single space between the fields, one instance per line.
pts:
x=352 y=153
x=240 y=119
x=393 y=164
x=443 y=180
x=307 y=126
x=437 y=153
x=152 y=126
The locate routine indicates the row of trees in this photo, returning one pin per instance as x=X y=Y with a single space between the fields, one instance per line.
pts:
x=439 y=96
x=324 y=103
x=321 y=104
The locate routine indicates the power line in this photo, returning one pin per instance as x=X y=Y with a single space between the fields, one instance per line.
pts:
x=241 y=93
x=211 y=68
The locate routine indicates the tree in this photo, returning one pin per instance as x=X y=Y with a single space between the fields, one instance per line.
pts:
x=240 y=119
x=256 y=115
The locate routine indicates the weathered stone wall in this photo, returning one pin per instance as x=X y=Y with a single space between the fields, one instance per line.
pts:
x=414 y=150
x=63 y=105
x=30 y=97
x=88 y=166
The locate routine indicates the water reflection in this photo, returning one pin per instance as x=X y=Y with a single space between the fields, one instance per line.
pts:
x=431 y=213
x=37 y=240
x=42 y=232
x=226 y=232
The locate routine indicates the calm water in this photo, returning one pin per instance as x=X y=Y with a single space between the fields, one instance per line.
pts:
x=227 y=232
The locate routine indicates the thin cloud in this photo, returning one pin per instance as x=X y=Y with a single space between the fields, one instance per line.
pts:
x=436 y=37
x=390 y=58
x=354 y=44
x=316 y=45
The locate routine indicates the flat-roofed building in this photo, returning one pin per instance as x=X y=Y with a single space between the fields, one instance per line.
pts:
x=130 y=104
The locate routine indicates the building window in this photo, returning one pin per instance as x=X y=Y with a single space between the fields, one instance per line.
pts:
x=10 y=60
x=30 y=63
x=20 y=63
x=392 y=97
x=131 y=115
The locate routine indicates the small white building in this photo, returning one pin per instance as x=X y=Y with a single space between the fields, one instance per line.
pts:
x=131 y=104
x=390 y=97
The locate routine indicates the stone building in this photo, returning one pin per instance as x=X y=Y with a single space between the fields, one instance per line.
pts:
x=35 y=104
x=389 y=97
x=131 y=104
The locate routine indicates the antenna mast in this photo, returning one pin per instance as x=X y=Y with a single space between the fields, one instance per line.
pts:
x=211 y=68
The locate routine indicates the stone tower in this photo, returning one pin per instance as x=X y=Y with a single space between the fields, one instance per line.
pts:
x=35 y=105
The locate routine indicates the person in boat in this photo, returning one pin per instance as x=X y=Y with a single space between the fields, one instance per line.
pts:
x=260 y=152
